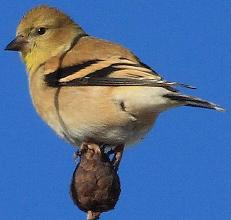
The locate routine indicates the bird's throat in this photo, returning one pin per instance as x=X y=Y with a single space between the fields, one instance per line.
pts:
x=33 y=60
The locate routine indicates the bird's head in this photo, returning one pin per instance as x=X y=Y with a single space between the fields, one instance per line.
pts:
x=42 y=33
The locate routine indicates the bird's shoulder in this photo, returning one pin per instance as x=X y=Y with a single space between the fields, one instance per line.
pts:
x=92 y=48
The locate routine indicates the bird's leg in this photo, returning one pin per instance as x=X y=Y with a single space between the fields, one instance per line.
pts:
x=118 y=153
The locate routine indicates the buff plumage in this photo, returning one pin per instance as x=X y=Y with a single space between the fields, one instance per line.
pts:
x=88 y=89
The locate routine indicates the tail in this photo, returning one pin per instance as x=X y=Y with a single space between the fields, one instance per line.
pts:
x=193 y=101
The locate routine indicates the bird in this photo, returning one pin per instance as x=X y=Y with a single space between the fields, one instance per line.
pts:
x=90 y=90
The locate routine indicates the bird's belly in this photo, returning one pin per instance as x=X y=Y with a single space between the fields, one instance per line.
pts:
x=128 y=133
x=97 y=116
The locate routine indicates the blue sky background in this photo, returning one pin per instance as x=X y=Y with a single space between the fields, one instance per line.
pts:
x=182 y=170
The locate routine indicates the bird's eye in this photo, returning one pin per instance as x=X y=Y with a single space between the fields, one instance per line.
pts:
x=41 y=30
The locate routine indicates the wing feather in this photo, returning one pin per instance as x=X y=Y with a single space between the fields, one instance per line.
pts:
x=116 y=71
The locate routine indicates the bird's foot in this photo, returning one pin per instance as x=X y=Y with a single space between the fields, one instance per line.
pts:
x=114 y=154
x=118 y=153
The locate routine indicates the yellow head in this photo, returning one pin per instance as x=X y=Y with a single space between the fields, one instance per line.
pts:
x=42 y=33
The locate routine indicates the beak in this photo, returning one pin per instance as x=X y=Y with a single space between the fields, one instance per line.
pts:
x=17 y=44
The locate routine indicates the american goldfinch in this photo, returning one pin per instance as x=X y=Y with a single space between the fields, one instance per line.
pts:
x=88 y=89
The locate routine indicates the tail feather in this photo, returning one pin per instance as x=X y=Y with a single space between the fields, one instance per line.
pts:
x=193 y=101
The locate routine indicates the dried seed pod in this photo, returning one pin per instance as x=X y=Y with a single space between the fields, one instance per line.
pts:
x=95 y=184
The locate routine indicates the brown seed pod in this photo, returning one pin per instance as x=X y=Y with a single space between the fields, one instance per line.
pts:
x=95 y=184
